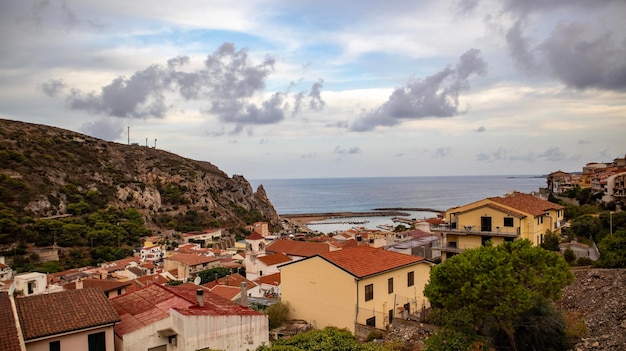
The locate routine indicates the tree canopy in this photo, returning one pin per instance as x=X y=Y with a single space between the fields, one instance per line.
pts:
x=486 y=292
x=328 y=339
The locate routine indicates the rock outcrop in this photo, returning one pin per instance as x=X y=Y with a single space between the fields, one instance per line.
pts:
x=46 y=171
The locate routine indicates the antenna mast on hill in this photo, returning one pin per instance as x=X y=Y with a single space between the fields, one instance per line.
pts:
x=155 y=143
x=128 y=135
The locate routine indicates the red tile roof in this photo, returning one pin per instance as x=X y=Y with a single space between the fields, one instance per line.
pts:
x=255 y=236
x=365 y=261
x=297 y=248
x=274 y=259
x=191 y=259
x=104 y=284
x=9 y=340
x=234 y=279
x=153 y=303
x=526 y=203
x=65 y=311
x=270 y=279
x=227 y=292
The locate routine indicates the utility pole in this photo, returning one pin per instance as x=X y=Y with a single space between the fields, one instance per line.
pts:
x=128 y=133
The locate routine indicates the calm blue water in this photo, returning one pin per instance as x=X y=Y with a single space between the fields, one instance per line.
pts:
x=294 y=196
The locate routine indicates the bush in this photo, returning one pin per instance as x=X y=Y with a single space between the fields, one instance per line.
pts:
x=277 y=314
x=569 y=256
x=584 y=261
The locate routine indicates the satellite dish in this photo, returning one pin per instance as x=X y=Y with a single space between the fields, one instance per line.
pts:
x=12 y=289
x=197 y=281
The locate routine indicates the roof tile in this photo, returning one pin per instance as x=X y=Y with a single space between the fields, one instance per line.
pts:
x=364 y=261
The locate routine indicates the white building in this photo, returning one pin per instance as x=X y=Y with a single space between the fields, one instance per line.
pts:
x=186 y=317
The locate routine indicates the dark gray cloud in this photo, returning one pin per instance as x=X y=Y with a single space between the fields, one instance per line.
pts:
x=104 y=128
x=580 y=55
x=349 y=151
x=229 y=81
x=520 y=47
x=582 y=58
x=433 y=96
x=53 y=87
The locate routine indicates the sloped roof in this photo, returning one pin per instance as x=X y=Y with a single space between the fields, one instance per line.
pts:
x=255 y=236
x=234 y=279
x=499 y=208
x=297 y=248
x=103 y=284
x=365 y=261
x=153 y=303
x=65 y=311
x=191 y=259
x=526 y=203
x=227 y=292
x=274 y=259
x=9 y=340
x=270 y=279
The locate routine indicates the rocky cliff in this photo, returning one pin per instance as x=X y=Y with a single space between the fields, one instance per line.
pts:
x=47 y=171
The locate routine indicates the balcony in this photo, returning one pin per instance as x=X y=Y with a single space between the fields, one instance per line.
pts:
x=505 y=232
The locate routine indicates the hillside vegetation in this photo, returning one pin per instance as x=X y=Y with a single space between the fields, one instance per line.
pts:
x=111 y=193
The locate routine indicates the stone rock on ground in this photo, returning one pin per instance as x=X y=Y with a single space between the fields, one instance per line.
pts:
x=599 y=295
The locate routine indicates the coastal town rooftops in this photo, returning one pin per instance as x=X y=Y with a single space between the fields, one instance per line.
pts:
x=191 y=259
x=297 y=248
x=66 y=311
x=365 y=261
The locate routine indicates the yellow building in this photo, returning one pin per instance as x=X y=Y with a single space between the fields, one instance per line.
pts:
x=355 y=286
x=514 y=216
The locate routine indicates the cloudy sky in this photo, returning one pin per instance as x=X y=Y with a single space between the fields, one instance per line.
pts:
x=307 y=89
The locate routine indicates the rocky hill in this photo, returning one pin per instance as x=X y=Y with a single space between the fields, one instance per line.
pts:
x=47 y=171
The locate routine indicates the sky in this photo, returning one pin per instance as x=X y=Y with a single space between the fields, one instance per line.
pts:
x=322 y=89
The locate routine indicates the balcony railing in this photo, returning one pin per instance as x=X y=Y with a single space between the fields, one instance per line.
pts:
x=509 y=232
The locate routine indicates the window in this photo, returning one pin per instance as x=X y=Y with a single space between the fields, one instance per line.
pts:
x=369 y=292
x=508 y=221
x=371 y=322
x=97 y=342
x=55 y=345
x=390 y=285
x=410 y=278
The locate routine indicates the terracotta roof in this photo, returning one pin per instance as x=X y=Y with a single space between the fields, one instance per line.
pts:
x=270 y=279
x=104 y=284
x=297 y=248
x=234 y=279
x=227 y=292
x=3 y=266
x=9 y=340
x=65 y=311
x=347 y=244
x=255 y=236
x=153 y=303
x=526 y=203
x=364 y=261
x=191 y=259
x=150 y=279
x=274 y=259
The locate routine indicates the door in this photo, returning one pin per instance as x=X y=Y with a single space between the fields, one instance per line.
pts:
x=485 y=224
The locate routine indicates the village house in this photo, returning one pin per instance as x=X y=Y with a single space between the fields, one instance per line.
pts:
x=187 y=266
x=6 y=272
x=110 y=287
x=151 y=252
x=498 y=219
x=68 y=320
x=269 y=286
x=355 y=287
x=186 y=317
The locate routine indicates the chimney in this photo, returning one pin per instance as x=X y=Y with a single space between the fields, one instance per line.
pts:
x=244 y=294
x=79 y=283
x=200 y=297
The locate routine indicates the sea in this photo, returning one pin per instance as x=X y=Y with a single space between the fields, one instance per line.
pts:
x=321 y=195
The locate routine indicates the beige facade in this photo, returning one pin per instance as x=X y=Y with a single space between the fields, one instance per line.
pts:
x=515 y=216
x=325 y=294
x=74 y=341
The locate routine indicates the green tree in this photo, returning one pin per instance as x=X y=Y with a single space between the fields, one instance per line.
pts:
x=212 y=274
x=486 y=291
x=551 y=241
x=328 y=339
x=613 y=250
